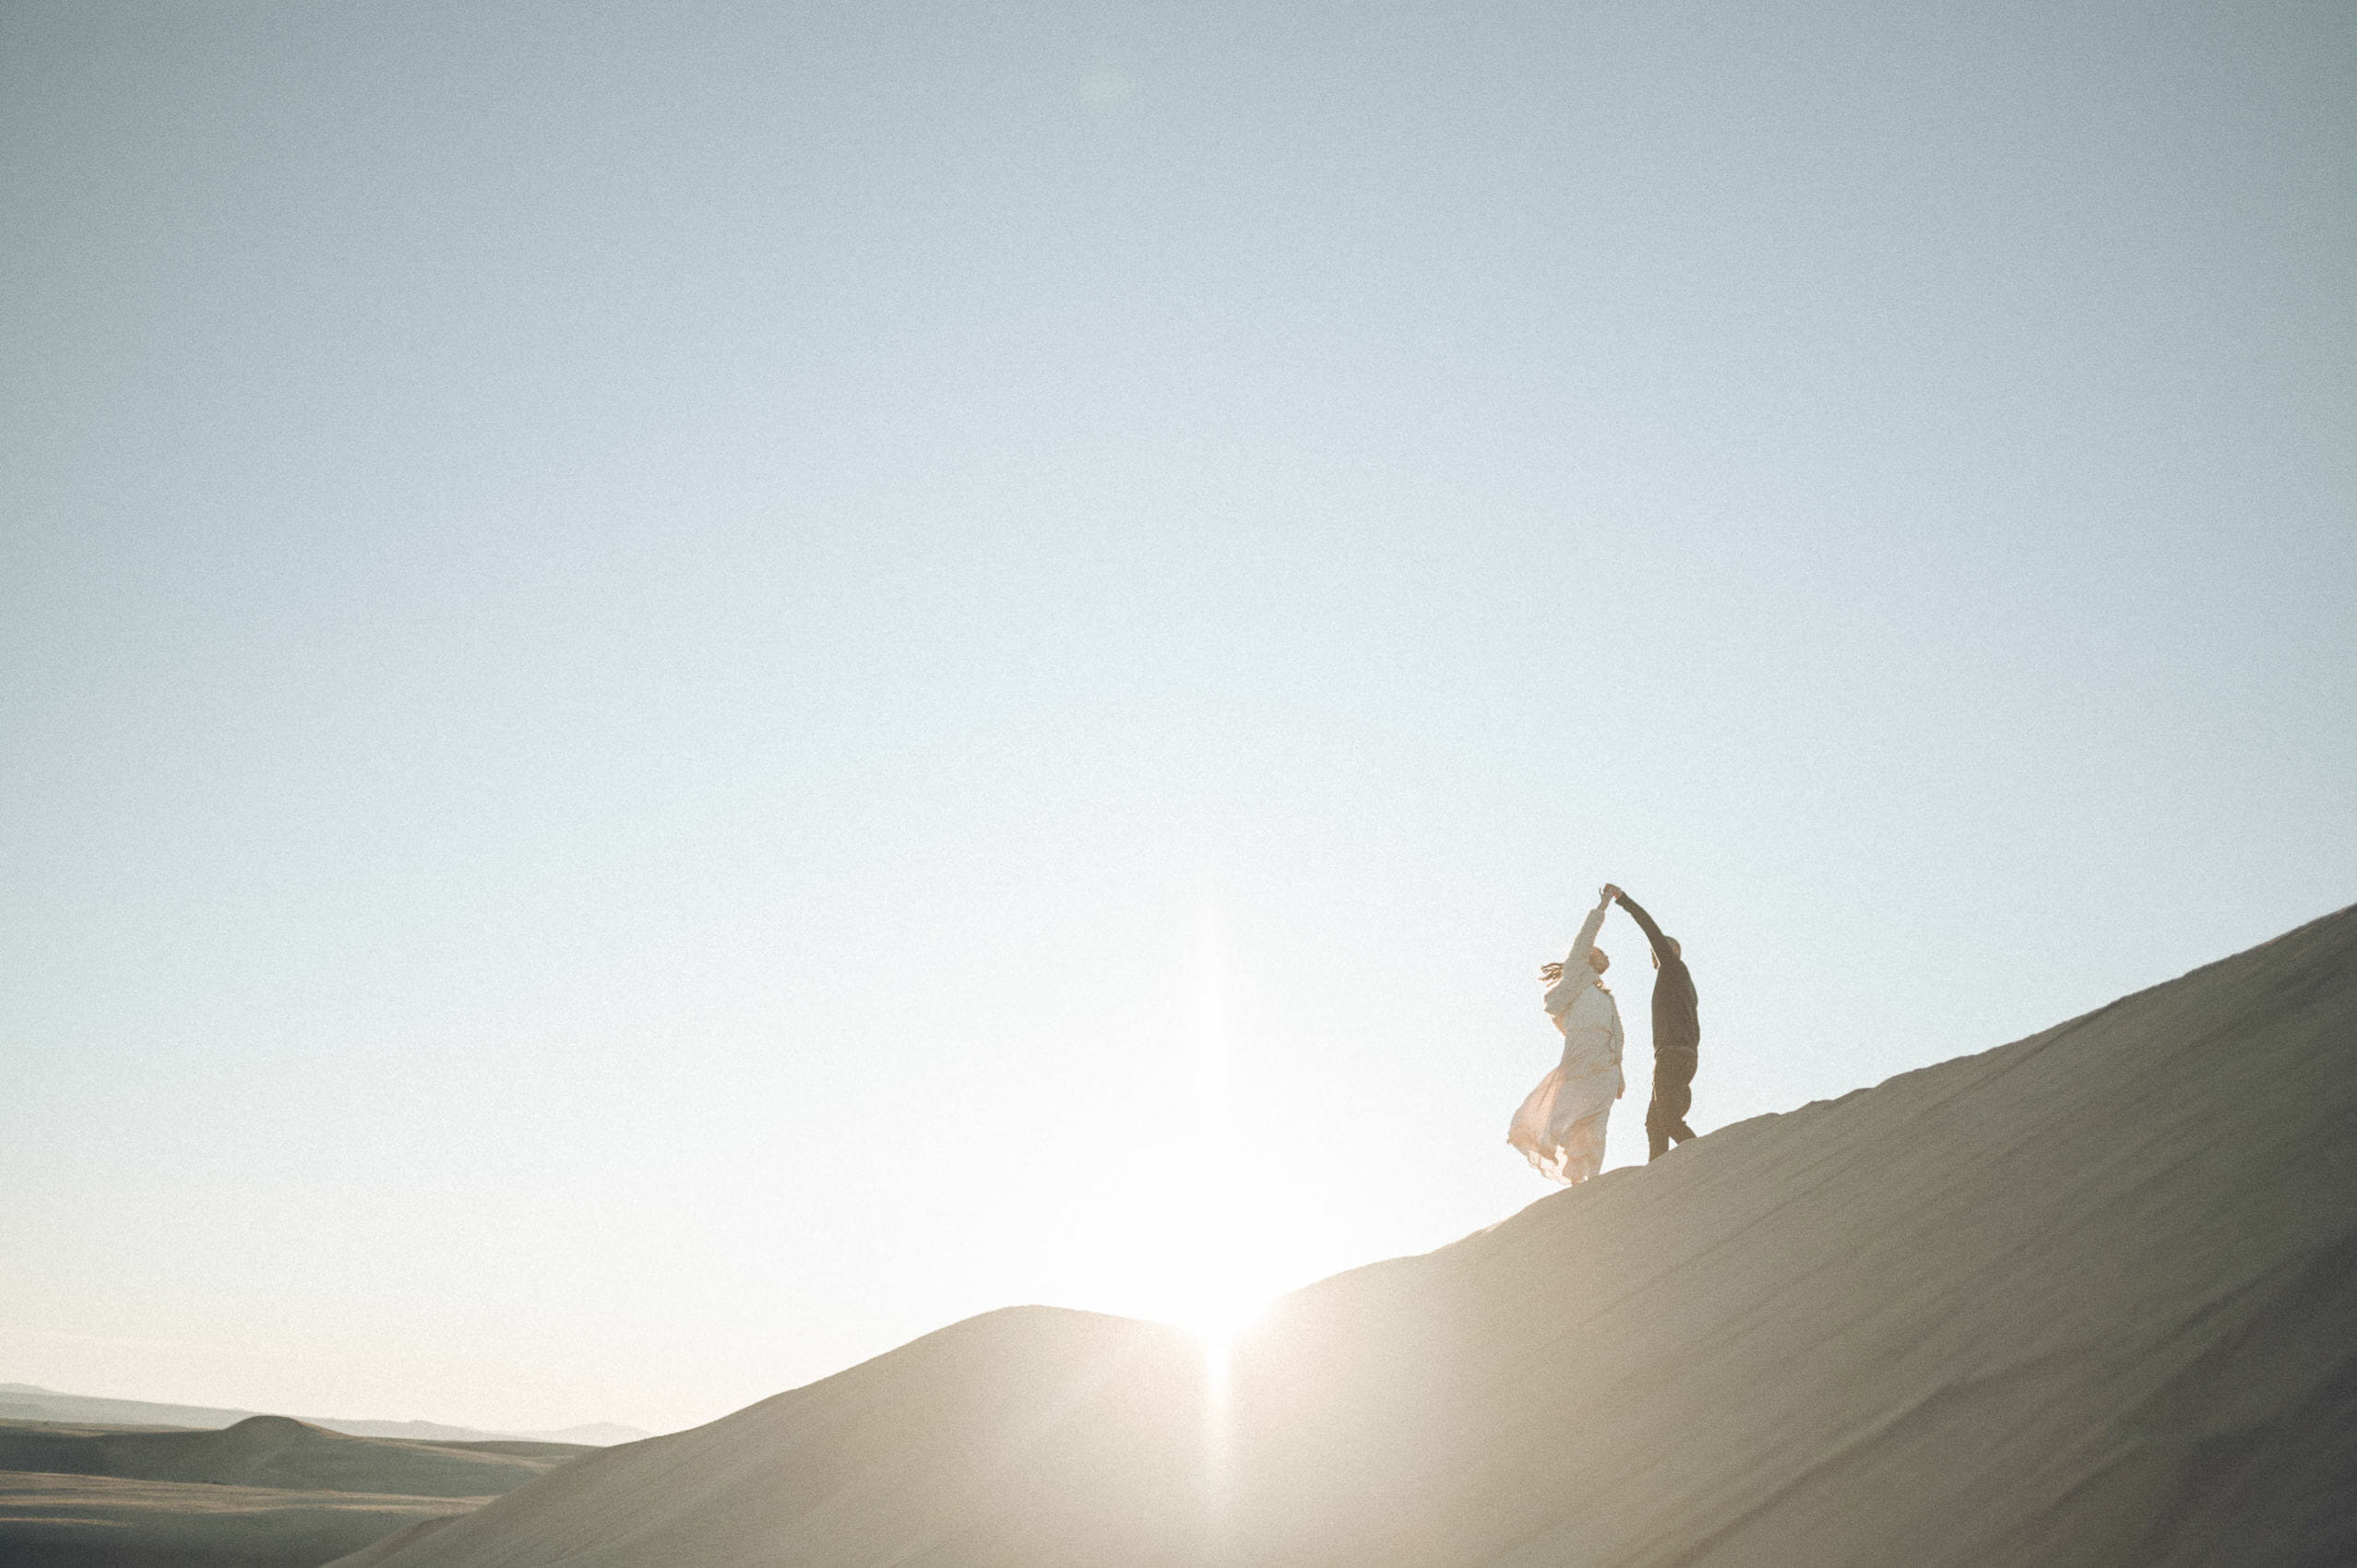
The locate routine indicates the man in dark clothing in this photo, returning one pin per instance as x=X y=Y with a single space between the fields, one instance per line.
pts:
x=1677 y=1036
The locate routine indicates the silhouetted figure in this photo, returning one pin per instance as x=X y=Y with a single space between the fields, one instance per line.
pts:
x=1677 y=1038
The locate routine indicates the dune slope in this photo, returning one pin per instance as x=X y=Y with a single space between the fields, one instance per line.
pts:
x=2088 y=1298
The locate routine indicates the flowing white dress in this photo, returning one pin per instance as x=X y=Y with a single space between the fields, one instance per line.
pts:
x=1560 y=1128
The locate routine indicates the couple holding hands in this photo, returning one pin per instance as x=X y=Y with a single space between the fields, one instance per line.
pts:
x=1560 y=1128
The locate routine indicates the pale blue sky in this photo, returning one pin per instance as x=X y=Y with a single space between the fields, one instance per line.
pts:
x=637 y=636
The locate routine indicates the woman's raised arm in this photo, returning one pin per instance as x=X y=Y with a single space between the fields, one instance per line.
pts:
x=1575 y=972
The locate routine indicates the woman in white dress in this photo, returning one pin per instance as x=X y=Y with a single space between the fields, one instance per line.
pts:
x=1560 y=1128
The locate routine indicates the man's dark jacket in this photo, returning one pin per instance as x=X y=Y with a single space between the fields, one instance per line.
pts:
x=1677 y=1028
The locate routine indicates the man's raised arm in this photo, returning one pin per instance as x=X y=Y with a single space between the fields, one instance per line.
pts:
x=1645 y=922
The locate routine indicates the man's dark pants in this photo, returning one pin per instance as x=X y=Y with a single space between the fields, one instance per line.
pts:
x=1666 y=1118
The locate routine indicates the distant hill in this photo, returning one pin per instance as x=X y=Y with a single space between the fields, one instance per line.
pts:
x=267 y=1492
x=2087 y=1300
x=23 y=1402
x=274 y=1451
x=74 y=1521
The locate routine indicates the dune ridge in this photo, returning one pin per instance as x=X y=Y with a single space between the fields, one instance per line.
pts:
x=2090 y=1298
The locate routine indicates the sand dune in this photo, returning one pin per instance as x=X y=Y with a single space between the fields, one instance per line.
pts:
x=2088 y=1298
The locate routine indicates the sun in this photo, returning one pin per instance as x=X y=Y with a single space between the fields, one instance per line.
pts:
x=1199 y=1232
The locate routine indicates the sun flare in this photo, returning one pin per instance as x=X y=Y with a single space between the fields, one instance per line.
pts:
x=1200 y=1233
x=1204 y=1237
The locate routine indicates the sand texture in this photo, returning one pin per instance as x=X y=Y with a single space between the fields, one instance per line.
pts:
x=2089 y=1299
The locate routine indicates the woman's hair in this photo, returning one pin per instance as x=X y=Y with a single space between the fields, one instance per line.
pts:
x=1596 y=961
